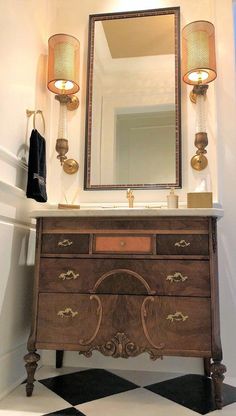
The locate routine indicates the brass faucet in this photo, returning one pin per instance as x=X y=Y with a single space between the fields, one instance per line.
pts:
x=130 y=197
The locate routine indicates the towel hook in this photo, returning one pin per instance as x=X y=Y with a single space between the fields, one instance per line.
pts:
x=29 y=113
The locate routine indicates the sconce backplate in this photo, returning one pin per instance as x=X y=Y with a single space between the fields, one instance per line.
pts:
x=73 y=104
x=70 y=166
x=199 y=162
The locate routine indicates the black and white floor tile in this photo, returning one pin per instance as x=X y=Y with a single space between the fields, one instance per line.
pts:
x=97 y=392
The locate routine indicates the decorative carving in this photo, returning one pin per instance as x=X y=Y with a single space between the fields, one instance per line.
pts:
x=145 y=330
x=217 y=374
x=129 y=272
x=121 y=346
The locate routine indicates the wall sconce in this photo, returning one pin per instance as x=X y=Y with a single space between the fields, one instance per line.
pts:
x=63 y=80
x=199 y=68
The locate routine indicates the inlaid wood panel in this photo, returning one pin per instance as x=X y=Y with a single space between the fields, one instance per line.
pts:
x=123 y=244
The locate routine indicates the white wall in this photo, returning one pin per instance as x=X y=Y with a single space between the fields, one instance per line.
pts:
x=72 y=17
x=226 y=163
x=23 y=28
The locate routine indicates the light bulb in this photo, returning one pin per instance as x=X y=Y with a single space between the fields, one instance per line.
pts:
x=198 y=76
x=64 y=85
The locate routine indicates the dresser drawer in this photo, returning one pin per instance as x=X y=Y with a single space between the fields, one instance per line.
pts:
x=192 y=244
x=66 y=318
x=136 y=244
x=181 y=323
x=169 y=324
x=121 y=276
x=65 y=243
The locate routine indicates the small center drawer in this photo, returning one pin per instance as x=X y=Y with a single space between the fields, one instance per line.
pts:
x=192 y=244
x=138 y=244
x=65 y=243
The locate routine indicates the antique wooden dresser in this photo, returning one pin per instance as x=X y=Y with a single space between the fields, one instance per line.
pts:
x=127 y=285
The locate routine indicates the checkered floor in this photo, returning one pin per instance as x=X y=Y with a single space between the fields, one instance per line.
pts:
x=98 y=392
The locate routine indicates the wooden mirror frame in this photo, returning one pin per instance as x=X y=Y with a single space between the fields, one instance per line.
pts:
x=88 y=129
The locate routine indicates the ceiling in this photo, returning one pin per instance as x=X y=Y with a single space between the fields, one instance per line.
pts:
x=140 y=36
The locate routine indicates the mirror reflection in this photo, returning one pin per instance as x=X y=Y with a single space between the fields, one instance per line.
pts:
x=133 y=114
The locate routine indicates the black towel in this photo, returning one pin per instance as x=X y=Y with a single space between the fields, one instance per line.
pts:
x=36 y=186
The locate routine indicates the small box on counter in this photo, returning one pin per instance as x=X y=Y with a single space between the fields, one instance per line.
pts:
x=199 y=200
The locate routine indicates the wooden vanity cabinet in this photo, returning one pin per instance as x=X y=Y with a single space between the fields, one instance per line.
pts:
x=125 y=286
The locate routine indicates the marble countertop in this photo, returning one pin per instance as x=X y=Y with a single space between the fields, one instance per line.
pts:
x=117 y=211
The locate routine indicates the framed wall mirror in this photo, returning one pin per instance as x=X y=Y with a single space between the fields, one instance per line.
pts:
x=133 y=134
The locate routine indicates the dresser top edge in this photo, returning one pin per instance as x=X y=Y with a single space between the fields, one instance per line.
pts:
x=129 y=212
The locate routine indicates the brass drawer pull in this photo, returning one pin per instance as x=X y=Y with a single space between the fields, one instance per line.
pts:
x=65 y=243
x=69 y=275
x=182 y=243
x=176 y=277
x=177 y=316
x=67 y=313
x=122 y=243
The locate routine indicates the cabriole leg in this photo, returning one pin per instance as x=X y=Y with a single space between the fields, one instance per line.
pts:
x=31 y=364
x=217 y=373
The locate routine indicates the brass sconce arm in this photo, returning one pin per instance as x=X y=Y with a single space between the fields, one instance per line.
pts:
x=70 y=166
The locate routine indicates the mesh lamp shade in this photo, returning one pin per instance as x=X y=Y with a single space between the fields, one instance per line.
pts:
x=198 y=52
x=63 y=64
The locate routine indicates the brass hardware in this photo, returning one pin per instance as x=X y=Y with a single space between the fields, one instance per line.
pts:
x=130 y=197
x=177 y=316
x=200 y=89
x=70 y=166
x=29 y=113
x=182 y=243
x=65 y=243
x=67 y=313
x=199 y=161
x=62 y=148
x=69 y=275
x=176 y=277
x=73 y=104
x=122 y=243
